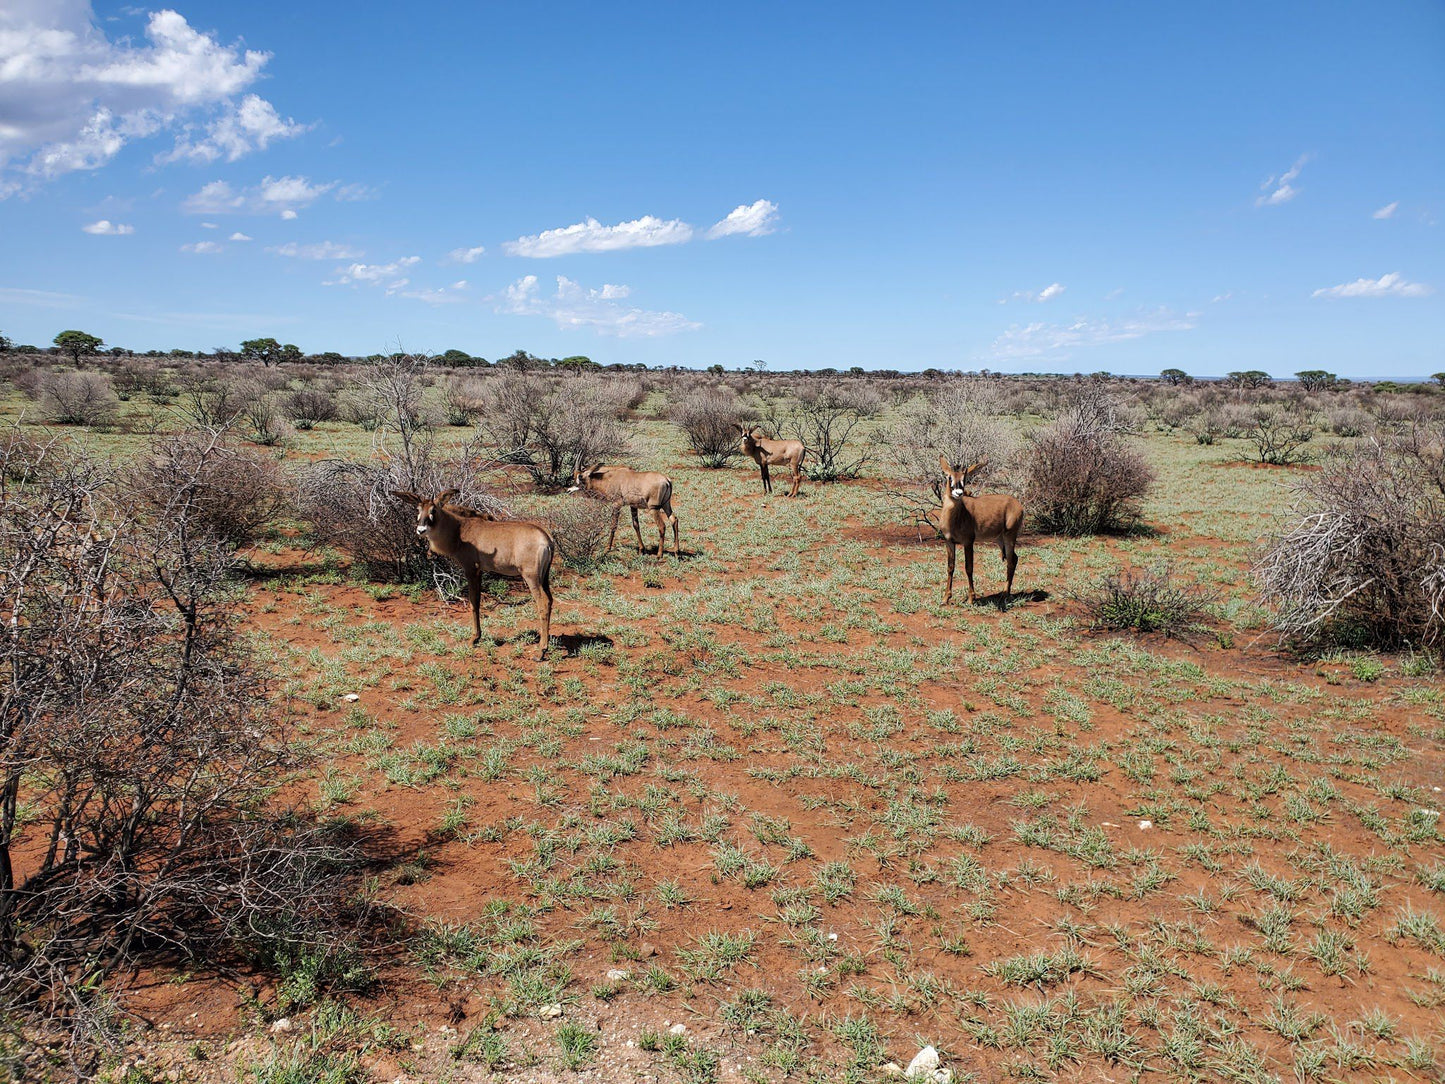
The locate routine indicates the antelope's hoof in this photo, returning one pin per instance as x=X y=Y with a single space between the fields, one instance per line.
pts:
x=476 y=639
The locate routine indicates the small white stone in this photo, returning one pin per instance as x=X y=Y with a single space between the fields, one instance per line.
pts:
x=550 y=1012
x=892 y=1069
x=351 y=698
x=1146 y=824
x=281 y=1026
x=832 y=937
x=925 y=1061
x=617 y=974
x=678 y=1029
x=943 y=1076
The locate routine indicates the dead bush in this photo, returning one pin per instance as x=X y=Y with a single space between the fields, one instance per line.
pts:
x=311 y=406
x=1082 y=475
x=826 y=418
x=350 y=506
x=264 y=421
x=580 y=527
x=551 y=427
x=1363 y=558
x=234 y=495
x=212 y=402
x=1279 y=433
x=77 y=398
x=139 y=754
x=709 y=417
x=960 y=422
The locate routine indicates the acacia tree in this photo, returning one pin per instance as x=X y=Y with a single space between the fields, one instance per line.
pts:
x=1176 y=377
x=1316 y=379
x=76 y=343
x=1250 y=378
x=268 y=351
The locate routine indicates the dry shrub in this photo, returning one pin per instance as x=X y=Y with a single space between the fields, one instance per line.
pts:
x=462 y=399
x=311 y=406
x=825 y=419
x=709 y=417
x=1082 y=475
x=235 y=495
x=350 y=506
x=1279 y=433
x=580 y=527
x=212 y=402
x=77 y=398
x=550 y=427
x=139 y=754
x=264 y=422
x=1147 y=601
x=958 y=421
x=1363 y=558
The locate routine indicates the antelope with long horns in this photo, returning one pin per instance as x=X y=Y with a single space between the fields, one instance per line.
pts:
x=476 y=543
x=775 y=453
x=989 y=517
x=636 y=489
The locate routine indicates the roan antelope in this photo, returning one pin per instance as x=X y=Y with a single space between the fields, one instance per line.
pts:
x=775 y=453
x=990 y=517
x=636 y=489
x=477 y=543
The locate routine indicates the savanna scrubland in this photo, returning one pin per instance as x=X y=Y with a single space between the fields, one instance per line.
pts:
x=768 y=810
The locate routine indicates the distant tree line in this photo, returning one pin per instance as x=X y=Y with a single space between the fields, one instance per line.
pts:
x=269 y=351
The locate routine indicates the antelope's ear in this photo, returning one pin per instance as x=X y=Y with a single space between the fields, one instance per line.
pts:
x=741 y=428
x=445 y=496
x=757 y=430
x=977 y=466
x=405 y=495
x=943 y=463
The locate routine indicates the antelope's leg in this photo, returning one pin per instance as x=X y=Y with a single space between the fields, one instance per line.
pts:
x=968 y=568
x=661 y=521
x=542 y=599
x=797 y=479
x=1011 y=559
x=676 y=545
x=616 y=518
x=767 y=483
x=474 y=596
x=952 y=557
x=637 y=530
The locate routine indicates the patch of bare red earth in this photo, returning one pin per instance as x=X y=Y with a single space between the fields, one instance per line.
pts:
x=464 y=877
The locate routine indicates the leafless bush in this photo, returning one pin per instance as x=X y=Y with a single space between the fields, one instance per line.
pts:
x=310 y=406
x=579 y=526
x=959 y=422
x=709 y=417
x=462 y=399
x=139 y=752
x=1082 y=476
x=1348 y=421
x=77 y=398
x=233 y=495
x=1207 y=426
x=1363 y=559
x=265 y=423
x=550 y=428
x=350 y=506
x=825 y=419
x=212 y=402
x=1279 y=434
x=136 y=377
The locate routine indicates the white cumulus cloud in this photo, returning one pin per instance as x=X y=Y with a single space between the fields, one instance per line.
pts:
x=390 y=276
x=282 y=196
x=71 y=98
x=749 y=219
x=591 y=236
x=106 y=228
x=1387 y=211
x=319 y=250
x=1059 y=341
x=237 y=236
x=1281 y=189
x=575 y=306
x=202 y=248
x=464 y=255
x=1048 y=293
x=1391 y=285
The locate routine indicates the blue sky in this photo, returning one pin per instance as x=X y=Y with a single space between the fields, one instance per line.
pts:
x=1044 y=187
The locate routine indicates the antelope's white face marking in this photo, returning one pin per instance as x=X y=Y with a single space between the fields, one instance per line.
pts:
x=573 y=489
x=956 y=489
x=425 y=516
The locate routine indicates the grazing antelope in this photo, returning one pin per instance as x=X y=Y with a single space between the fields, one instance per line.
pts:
x=636 y=489
x=478 y=543
x=767 y=453
x=989 y=517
